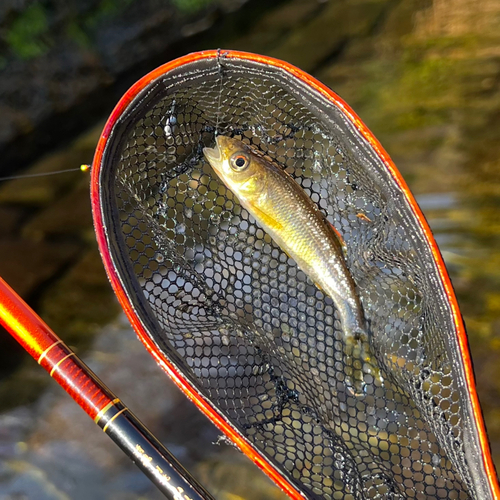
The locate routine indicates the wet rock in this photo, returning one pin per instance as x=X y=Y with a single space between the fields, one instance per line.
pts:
x=70 y=214
x=26 y=264
x=10 y=219
x=22 y=480
x=320 y=39
x=79 y=302
x=25 y=387
x=55 y=55
x=40 y=191
x=228 y=477
x=275 y=25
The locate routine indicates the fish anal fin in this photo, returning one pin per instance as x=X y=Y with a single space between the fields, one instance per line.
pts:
x=339 y=237
x=320 y=288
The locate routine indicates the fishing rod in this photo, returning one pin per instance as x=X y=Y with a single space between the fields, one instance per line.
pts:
x=100 y=404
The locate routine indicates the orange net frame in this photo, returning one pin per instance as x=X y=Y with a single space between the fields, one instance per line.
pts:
x=251 y=340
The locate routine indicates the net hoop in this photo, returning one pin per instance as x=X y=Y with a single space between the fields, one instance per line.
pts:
x=200 y=401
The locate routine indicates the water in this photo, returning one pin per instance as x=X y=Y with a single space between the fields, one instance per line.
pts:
x=51 y=450
x=425 y=77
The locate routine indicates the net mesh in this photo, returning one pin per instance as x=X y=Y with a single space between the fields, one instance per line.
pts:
x=248 y=329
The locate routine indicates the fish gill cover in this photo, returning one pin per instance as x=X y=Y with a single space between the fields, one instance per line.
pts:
x=214 y=297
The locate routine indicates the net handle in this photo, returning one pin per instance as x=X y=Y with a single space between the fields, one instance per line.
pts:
x=100 y=404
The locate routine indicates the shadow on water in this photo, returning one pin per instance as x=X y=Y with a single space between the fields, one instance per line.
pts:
x=424 y=76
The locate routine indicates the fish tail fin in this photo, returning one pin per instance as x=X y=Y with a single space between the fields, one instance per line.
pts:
x=360 y=334
x=363 y=352
x=370 y=363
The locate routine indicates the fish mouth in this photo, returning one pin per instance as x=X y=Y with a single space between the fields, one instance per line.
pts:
x=213 y=155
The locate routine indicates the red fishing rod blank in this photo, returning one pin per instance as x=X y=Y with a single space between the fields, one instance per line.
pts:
x=100 y=404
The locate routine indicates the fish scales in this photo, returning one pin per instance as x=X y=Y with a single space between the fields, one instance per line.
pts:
x=304 y=234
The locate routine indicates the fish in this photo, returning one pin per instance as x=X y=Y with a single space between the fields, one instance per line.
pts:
x=285 y=211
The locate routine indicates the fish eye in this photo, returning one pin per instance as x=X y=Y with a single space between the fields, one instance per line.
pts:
x=239 y=162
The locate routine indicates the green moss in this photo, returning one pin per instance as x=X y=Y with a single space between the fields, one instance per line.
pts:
x=26 y=34
x=413 y=91
x=192 y=6
x=109 y=7
x=443 y=44
x=105 y=9
x=75 y=32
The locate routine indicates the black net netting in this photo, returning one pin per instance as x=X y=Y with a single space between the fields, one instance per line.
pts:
x=248 y=329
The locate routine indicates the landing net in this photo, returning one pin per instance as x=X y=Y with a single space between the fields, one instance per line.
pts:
x=247 y=329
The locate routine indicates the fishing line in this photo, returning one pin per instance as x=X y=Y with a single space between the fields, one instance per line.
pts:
x=82 y=168
x=219 y=104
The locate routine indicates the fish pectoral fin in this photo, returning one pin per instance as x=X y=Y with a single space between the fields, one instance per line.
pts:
x=267 y=220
